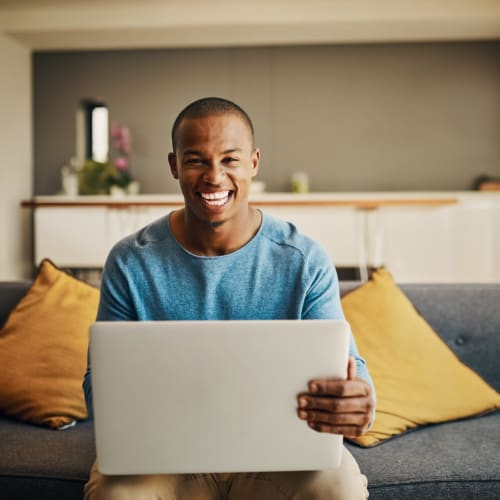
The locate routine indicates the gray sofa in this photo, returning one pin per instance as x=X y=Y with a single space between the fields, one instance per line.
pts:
x=457 y=460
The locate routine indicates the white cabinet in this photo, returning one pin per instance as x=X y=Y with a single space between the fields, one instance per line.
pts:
x=449 y=244
x=476 y=241
x=417 y=244
x=70 y=236
x=81 y=236
x=457 y=240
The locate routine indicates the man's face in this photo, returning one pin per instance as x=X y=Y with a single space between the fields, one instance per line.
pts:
x=215 y=162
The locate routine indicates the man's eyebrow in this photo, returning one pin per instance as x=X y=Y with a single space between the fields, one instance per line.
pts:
x=199 y=153
x=192 y=152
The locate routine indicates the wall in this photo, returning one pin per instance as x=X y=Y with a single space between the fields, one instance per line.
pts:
x=355 y=117
x=16 y=153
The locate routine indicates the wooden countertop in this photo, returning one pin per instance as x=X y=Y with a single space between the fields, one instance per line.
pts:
x=368 y=200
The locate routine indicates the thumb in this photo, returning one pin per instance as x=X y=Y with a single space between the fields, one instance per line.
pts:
x=351 y=368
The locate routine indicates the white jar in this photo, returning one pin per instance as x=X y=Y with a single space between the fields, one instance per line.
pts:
x=300 y=182
x=69 y=181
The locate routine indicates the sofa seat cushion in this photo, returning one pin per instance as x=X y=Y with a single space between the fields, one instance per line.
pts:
x=453 y=460
x=55 y=461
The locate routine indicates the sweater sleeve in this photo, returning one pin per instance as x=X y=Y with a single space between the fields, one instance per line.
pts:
x=323 y=302
x=114 y=305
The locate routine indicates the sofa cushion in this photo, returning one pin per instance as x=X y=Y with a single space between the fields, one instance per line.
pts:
x=36 y=462
x=417 y=378
x=451 y=460
x=43 y=350
x=467 y=317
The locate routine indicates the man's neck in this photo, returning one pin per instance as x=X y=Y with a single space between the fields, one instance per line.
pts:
x=202 y=238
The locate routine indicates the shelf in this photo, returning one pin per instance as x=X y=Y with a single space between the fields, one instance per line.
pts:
x=357 y=200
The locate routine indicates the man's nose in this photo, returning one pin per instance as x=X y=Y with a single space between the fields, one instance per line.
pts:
x=214 y=174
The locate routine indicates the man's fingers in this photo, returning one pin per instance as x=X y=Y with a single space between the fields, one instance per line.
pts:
x=335 y=419
x=347 y=424
x=338 y=406
x=339 y=388
x=363 y=404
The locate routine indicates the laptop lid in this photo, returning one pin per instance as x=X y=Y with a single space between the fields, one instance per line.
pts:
x=211 y=396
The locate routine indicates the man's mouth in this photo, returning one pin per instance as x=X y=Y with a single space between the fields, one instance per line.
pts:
x=216 y=199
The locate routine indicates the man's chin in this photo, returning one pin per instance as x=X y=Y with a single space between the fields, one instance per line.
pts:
x=213 y=222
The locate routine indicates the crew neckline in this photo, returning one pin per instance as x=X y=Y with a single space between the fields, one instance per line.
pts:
x=248 y=244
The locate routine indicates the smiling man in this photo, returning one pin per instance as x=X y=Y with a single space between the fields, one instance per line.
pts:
x=220 y=258
x=214 y=160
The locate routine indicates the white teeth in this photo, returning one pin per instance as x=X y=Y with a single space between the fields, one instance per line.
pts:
x=215 y=196
x=215 y=203
x=215 y=199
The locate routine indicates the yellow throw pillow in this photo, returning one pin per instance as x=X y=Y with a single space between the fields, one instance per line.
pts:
x=43 y=350
x=418 y=379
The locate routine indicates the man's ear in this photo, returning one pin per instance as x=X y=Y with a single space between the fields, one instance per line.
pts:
x=172 y=161
x=255 y=161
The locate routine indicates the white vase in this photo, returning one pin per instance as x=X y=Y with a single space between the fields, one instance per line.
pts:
x=117 y=192
x=133 y=188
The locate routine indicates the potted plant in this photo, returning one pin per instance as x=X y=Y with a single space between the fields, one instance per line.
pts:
x=113 y=176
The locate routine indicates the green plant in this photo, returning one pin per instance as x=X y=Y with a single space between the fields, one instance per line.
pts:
x=97 y=178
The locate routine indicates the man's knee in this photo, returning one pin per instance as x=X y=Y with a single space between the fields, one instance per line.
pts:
x=344 y=483
x=101 y=487
x=118 y=491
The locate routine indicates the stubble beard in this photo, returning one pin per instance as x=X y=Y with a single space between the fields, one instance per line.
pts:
x=217 y=224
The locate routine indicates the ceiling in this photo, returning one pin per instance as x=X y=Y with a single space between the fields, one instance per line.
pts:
x=44 y=25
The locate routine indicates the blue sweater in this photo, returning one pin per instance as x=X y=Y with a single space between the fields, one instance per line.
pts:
x=278 y=274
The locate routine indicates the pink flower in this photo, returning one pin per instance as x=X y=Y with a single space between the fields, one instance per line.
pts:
x=122 y=144
x=121 y=163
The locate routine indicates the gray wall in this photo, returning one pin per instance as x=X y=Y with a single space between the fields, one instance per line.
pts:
x=355 y=117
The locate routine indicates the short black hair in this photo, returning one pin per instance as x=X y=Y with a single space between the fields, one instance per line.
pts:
x=209 y=106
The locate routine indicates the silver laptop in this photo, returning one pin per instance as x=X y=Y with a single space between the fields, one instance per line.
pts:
x=211 y=396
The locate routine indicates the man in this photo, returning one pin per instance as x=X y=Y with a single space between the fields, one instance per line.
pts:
x=220 y=258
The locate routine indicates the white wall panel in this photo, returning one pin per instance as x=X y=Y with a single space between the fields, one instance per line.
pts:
x=16 y=158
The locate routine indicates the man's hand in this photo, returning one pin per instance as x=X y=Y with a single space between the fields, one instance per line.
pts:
x=338 y=406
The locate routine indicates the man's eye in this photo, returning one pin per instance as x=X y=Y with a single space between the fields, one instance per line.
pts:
x=193 y=161
x=231 y=160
